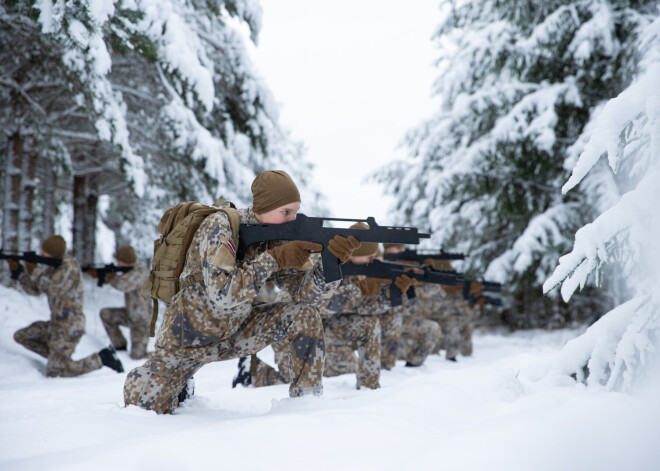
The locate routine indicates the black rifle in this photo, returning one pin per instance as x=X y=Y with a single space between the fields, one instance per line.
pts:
x=311 y=229
x=485 y=286
x=103 y=270
x=389 y=270
x=28 y=257
x=420 y=257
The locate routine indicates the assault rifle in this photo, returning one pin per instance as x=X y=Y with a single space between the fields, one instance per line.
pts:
x=390 y=270
x=420 y=257
x=103 y=270
x=311 y=229
x=485 y=286
x=28 y=257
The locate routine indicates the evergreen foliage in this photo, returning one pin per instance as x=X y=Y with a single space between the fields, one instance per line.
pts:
x=518 y=82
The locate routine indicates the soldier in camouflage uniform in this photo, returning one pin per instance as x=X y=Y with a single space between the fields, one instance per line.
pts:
x=215 y=319
x=137 y=314
x=57 y=338
x=419 y=335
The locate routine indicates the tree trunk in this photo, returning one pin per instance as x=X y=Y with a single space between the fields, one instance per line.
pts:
x=26 y=215
x=10 y=211
x=50 y=208
x=85 y=202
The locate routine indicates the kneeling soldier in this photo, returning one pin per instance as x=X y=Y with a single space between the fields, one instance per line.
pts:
x=57 y=338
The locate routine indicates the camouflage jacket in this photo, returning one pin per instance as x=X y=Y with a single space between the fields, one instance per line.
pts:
x=215 y=308
x=62 y=285
x=348 y=299
x=130 y=283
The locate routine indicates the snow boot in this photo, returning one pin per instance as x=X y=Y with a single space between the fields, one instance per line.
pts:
x=187 y=391
x=243 y=376
x=110 y=359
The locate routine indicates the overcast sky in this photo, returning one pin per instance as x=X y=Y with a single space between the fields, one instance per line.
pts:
x=351 y=77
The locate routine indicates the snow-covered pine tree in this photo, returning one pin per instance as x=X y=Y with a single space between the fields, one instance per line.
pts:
x=621 y=349
x=518 y=81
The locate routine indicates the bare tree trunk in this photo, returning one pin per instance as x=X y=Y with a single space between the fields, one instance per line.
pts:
x=26 y=215
x=79 y=208
x=85 y=201
x=50 y=208
x=10 y=219
x=90 y=220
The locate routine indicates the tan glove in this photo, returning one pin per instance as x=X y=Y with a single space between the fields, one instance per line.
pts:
x=13 y=265
x=342 y=248
x=29 y=267
x=403 y=282
x=294 y=254
x=451 y=290
x=371 y=286
x=93 y=273
x=110 y=275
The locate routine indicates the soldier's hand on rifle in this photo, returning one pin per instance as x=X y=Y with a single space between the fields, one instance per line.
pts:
x=371 y=286
x=404 y=282
x=29 y=267
x=15 y=268
x=93 y=273
x=110 y=275
x=293 y=254
x=342 y=247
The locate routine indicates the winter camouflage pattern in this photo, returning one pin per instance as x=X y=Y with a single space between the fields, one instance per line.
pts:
x=361 y=333
x=340 y=359
x=453 y=315
x=56 y=339
x=136 y=315
x=390 y=336
x=419 y=335
x=216 y=318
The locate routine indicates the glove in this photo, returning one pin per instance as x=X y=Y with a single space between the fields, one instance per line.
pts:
x=371 y=286
x=93 y=273
x=438 y=264
x=15 y=268
x=294 y=254
x=452 y=290
x=110 y=275
x=29 y=267
x=403 y=282
x=342 y=248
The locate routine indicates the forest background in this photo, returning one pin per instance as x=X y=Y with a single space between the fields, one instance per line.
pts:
x=115 y=110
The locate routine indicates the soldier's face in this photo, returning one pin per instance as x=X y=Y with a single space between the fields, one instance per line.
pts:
x=280 y=215
x=362 y=259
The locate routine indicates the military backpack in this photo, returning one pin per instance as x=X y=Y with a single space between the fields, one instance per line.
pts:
x=177 y=227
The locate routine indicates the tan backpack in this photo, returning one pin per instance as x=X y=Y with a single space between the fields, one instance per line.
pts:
x=178 y=226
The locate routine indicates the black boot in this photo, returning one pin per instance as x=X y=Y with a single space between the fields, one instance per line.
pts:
x=121 y=349
x=411 y=365
x=452 y=358
x=243 y=377
x=187 y=391
x=110 y=359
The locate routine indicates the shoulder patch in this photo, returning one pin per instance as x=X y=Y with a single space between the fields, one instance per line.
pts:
x=225 y=257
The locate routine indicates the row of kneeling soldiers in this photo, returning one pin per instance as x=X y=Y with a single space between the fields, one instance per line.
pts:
x=275 y=294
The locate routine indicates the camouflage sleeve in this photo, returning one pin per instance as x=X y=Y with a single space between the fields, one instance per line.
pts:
x=229 y=284
x=371 y=305
x=129 y=281
x=345 y=297
x=309 y=286
x=59 y=282
x=29 y=282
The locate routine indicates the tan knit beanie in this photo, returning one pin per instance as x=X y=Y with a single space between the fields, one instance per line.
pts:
x=125 y=254
x=55 y=246
x=365 y=248
x=272 y=189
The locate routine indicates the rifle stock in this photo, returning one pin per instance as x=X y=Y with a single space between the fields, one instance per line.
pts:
x=312 y=229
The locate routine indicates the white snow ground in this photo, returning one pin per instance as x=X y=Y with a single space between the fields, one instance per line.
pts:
x=471 y=415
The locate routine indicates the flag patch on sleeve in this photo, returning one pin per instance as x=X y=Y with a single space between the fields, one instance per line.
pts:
x=230 y=244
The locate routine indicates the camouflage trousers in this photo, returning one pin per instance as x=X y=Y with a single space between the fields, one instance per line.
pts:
x=113 y=317
x=263 y=374
x=390 y=337
x=418 y=338
x=156 y=384
x=56 y=341
x=357 y=332
x=451 y=337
